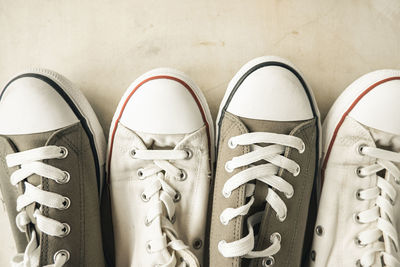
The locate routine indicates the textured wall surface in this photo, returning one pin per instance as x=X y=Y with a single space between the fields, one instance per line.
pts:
x=103 y=46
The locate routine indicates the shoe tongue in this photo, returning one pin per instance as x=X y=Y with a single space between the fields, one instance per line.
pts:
x=280 y=127
x=161 y=141
x=24 y=143
x=384 y=140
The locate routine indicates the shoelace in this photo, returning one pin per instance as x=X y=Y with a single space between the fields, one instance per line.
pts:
x=30 y=163
x=266 y=173
x=382 y=213
x=163 y=196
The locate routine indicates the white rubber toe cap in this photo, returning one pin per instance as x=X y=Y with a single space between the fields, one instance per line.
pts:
x=162 y=106
x=271 y=93
x=380 y=108
x=30 y=105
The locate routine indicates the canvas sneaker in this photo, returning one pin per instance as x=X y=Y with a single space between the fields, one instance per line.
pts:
x=52 y=154
x=358 y=217
x=267 y=155
x=159 y=170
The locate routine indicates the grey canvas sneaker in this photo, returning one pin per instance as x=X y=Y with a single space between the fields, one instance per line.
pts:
x=358 y=220
x=52 y=157
x=265 y=186
x=159 y=169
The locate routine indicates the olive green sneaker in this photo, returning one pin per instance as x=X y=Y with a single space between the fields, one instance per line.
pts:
x=52 y=154
x=267 y=158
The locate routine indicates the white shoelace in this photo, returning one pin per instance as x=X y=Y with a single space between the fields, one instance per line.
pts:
x=266 y=173
x=163 y=197
x=30 y=163
x=382 y=213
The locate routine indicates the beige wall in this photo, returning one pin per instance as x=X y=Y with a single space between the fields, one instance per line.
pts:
x=104 y=45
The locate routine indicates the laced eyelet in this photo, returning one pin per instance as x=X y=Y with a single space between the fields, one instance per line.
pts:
x=144 y=197
x=147 y=222
x=182 y=175
x=223 y=220
x=313 y=255
x=289 y=195
x=360 y=149
x=281 y=219
x=140 y=173
x=63 y=152
x=356 y=218
x=268 y=261
x=66 y=203
x=226 y=194
x=227 y=167
x=297 y=171
x=132 y=153
x=177 y=197
x=231 y=144
x=276 y=235
x=66 y=230
x=148 y=247
x=173 y=219
x=60 y=253
x=358 y=172
x=197 y=243
x=65 y=179
x=358 y=194
x=189 y=153
x=319 y=230
x=303 y=148
x=357 y=241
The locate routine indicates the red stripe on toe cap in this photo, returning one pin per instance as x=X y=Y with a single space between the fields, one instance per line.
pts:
x=366 y=91
x=129 y=97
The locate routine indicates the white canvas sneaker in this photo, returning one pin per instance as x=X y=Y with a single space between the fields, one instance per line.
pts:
x=159 y=168
x=358 y=218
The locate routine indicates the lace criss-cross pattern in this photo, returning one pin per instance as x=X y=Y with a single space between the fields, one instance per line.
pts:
x=273 y=159
x=382 y=239
x=164 y=197
x=31 y=163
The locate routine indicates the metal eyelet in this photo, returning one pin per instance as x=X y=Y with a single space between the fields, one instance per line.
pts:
x=223 y=220
x=356 y=218
x=358 y=172
x=231 y=144
x=277 y=235
x=289 y=195
x=66 y=230
x=63 y=152
x=132 y=153
x=303 y=148
x=357 y=241
x=147 y=222
x=66 y=203
x=281 y=219
x=358 y=194
x=197 y=243
x=173 y=219
x=177 y=197
x=319 y=230
x=189 y=153
x=297 y=171
x=227 y=168
x=65 y=179
x=360 y=149
x=268 y=261
x=313 y=255
x=144 y=197
x=182 y=175
x=60 y=253
x=140 y=173
x=148 y=247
